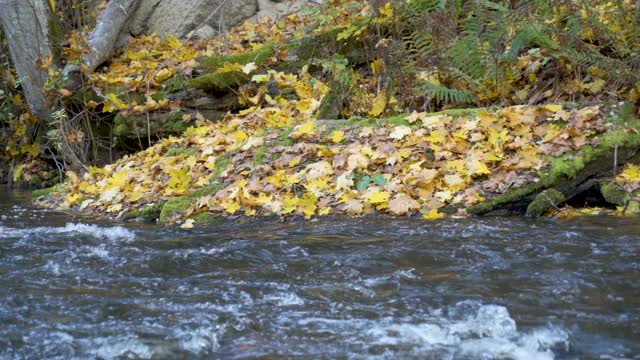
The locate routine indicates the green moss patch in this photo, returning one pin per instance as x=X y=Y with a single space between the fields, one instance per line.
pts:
x=148 y=213
x=545 y=201
x=178 y=205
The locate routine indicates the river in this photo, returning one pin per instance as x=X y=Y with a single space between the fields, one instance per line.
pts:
x=482 y=288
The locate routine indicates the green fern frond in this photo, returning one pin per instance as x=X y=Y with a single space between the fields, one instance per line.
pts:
x=467 y=55
x=445 y=95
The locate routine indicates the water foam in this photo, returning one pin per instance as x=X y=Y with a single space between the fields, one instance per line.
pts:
x=199 y=341
x=117 y=347
x=113 y=233
x=488 y=333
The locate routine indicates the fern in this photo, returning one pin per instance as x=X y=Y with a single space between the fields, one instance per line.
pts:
x=445 y=95
x=477 y=44
x=467 y=55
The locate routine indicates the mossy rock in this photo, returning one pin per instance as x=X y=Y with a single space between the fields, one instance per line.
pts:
x=222 y=82
x=173 y=84
x=160 y=123
x=206 y=218
x=210 y=64
x=614 y=193
x=544 y=201
x=148 y=213
x=43 y=192
x=568 y=173
x=178 y=205
x=332 y=103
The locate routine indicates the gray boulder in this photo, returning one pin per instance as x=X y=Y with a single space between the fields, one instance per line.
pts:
x=180 y=17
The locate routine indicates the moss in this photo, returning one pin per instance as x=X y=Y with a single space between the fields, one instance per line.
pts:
x=614 y=193
x=205 y=218
x=160 y=123
x=332 y=103
x=508 y=197
x=148 y=213
x=260 y=154
x=400 y=121
x=177 y=151
x=544 y=201
x=212 y=63
x=284 y=139
x=568 y=166
x=459 y=112
x=174 y=84
x=43 y=192
x=219 y=82
x=222 y=163
x=180 y=204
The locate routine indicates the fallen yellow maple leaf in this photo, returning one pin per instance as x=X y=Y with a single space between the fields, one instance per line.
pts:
x=433 y=214
x=379 y=104
x=336 y=136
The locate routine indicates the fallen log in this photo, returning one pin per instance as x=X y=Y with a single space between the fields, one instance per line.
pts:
x=569 y=177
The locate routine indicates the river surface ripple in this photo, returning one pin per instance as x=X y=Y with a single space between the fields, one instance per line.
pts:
x=488 y=288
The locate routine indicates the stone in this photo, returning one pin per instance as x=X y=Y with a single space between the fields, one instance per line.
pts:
x=179 y=18
x=546 y=200
x=275 y=9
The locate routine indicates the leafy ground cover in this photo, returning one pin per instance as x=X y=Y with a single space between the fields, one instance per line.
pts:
x=333 y=111
x=421 y=163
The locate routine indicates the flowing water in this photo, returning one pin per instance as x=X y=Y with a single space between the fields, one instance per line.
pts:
x=489 y=288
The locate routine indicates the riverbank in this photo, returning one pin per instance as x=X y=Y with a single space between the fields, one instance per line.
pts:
x=514 y=160
x=344 y=113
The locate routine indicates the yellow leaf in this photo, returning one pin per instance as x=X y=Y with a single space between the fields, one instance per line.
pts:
x=377 y=67
x=433 y=214
x=112 y=103
x=379 y=198
x=240 y=136
x=399 y=132
x=249 y=68
x=118 y=180
x=630 y=174
x=72 y=198
x=180 y=180
x=436 y=137
x=308 y=204
x=307 y=128
x=498 y=139
x=289 y=204
x=402 y=204
x=229 y=67
x=444 y=196
x=164 y=74
x=188 y=224
x=379 y=104
x=386 y=10
x=232 y=207
x=554 y=108
x=336 y=136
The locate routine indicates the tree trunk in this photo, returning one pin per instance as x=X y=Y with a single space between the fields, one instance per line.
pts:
x=26 y=27
x=101 y=40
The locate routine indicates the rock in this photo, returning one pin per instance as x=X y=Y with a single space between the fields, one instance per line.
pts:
x=203 y=33
x=277 y=8
x=546 y=200
x=180 y=17
x=160 y=123
x=614 y=193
